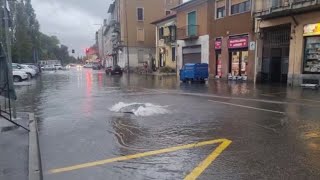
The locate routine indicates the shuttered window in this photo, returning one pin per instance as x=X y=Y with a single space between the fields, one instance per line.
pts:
x=140 y=34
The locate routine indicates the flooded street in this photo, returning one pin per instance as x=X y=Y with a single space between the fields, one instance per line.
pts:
x=93 y=126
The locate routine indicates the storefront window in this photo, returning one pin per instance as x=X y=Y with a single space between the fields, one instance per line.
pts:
x=235 y=70
x=312 y=55
x=239 y=61
x=244 y=62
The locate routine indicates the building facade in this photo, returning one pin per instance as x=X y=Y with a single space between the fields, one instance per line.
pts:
x=193 y=32
x=135 y=37
x=166 y=42
x=288 y=44
x=231 y=34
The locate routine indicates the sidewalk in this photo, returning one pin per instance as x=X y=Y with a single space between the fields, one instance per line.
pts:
x=14 y=148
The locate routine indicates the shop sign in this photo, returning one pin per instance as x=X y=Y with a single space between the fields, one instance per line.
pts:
x=217 y=44
x=241 y=42
x=311 y=29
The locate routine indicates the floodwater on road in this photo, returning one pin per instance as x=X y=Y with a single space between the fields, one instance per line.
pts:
x=94 y=126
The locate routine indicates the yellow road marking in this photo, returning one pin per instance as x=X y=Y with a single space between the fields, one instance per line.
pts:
x=196 y=172
x=193 y=175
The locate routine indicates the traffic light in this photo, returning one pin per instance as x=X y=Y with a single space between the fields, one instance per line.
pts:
x=73 y=51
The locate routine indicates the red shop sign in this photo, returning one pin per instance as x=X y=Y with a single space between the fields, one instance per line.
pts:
x=217 y=44
x=241 y=42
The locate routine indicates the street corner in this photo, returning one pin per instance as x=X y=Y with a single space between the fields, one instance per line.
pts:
x=221 y=146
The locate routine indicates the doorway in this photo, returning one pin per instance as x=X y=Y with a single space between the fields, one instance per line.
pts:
x=275 y=58
x=275 y=65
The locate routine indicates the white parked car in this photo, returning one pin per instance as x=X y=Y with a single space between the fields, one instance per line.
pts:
x=32 y=66
x=58 y=67
x=88 y=65
x=30 y=72
x=19 y=75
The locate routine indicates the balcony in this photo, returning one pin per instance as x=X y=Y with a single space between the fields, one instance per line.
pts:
x=188 y=32
x=168 y=34
x=267 y=9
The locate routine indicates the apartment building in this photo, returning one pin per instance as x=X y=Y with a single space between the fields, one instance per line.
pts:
x=288 y=47
x=166 y=42
x=135 y=35
x=193 y=31
x=231 y=35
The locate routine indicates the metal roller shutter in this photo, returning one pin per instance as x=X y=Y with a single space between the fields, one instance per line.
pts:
x=191 y=54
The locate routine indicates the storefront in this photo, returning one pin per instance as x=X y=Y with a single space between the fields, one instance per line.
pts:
x=217 y=47
x=238 y=57
x=311 y=62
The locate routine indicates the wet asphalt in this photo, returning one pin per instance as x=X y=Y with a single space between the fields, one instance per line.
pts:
x=275 y=130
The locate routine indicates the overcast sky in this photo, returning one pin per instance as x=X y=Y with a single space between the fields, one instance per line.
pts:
x=72 y=21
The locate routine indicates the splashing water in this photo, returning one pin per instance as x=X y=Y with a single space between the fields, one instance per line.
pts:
x=139 y=109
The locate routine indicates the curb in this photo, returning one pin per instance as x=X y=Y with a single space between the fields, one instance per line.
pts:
x=35 y=170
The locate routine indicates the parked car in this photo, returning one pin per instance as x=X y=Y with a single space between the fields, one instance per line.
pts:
x=96 y=66
x=19 y=75
x=108 y=69
x=30 y=67
x=116 y=70
x=48 y=67
x=30 y=72
x=58 y=67
x=34 y=66
x=88 y=65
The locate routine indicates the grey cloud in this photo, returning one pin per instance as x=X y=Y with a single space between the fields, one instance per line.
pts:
x=71 y=20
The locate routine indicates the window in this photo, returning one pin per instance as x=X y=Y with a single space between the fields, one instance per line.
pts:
x=140 y=14
x=168 y=12
x=221 y=12
x=173 y=53
x=140 y=56
x=240 y=7
x=312 y=55
x=173 y=30
x=161 y=33
x=140 y=34
x=220 y=6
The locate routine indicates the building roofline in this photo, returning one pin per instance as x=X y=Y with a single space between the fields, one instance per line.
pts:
x=191 y=2
x=165 y=18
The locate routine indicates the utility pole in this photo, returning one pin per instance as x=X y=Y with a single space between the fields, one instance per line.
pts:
x=127 y=33
x=9 y=55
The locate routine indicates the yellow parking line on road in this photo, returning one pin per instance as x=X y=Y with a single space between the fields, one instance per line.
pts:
x=206 y=163
x=193 y=175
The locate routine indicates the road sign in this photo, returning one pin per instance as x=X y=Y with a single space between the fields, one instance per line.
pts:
x=252 y=46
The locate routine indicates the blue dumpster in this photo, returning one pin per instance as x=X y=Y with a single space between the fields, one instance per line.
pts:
x=194 y=72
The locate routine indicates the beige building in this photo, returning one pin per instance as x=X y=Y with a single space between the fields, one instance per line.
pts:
x=288 y=43
x=193 y=32
x=136 y=35
x=166 y=42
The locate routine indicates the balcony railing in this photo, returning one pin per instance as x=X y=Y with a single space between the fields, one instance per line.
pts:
x=188 y=32
x=277 y=8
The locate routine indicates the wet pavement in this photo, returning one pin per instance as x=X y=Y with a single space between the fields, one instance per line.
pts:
x=94 y=126
x=14 y=144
